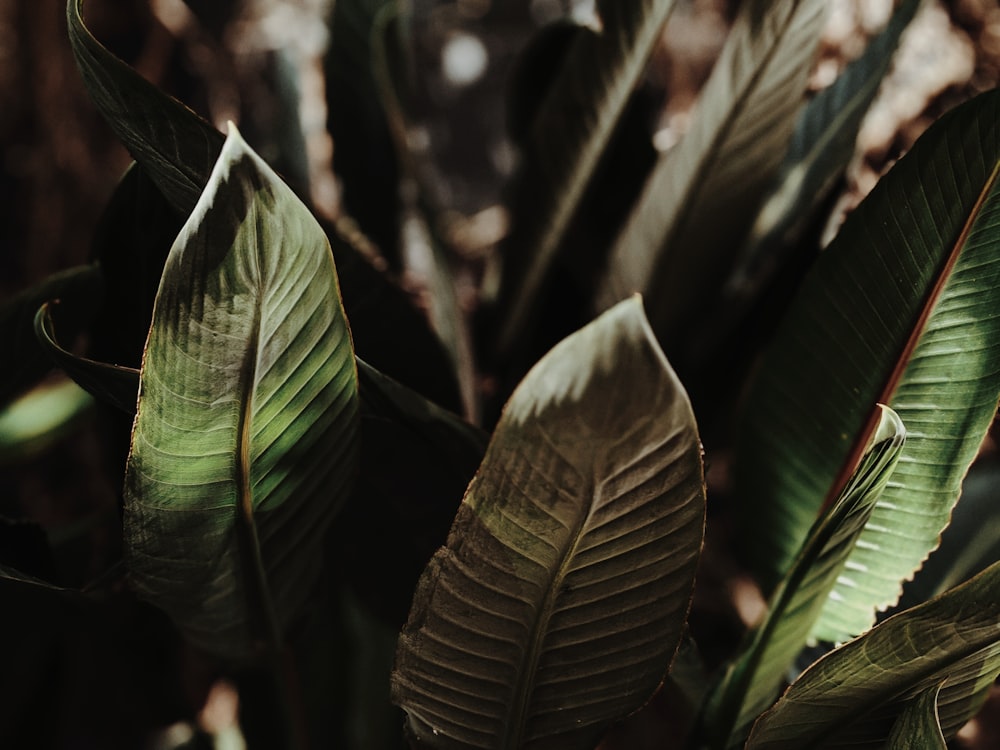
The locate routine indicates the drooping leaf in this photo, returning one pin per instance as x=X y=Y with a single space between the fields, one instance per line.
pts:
x=561 y=596
x=674 y=247
x=571 y=132
x=918 y=725
x=752 y=682
x=851 y=697
x=244 y=444
x=898 y=310
x=26 y=362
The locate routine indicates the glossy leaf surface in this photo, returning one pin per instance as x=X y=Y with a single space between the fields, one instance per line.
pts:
x=244 y=445
x=900 y=309
x=851 y=697
x=561 y=595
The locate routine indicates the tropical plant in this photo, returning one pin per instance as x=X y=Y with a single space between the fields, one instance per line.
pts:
x=284 y=424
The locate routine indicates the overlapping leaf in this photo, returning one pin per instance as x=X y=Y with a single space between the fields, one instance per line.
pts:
x=244 y=440
x=571 y=132
x=900 y=309
x=676 y=244
x=918 y=725
x=752 y=682
x=560 y=598
x=851 y=697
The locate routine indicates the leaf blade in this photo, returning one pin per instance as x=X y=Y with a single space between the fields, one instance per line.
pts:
x=511 y=618
x=243 y=437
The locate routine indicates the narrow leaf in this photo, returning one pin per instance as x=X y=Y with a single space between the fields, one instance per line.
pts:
x=243 y=447
x=918 y=725
x=900 y=309
x=561 y=596
x=571 y=132
x=40 y=418
x=821 y=146
x=753 y=681
x=851 y=697
x=674 y=247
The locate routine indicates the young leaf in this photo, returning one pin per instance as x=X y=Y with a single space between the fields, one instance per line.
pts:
x=244 y=444
x=850 y=697
x=752 y=682
x=898 y=310
x=560 y=598
x=674 y=247
x=571 y=131
x=918 y=725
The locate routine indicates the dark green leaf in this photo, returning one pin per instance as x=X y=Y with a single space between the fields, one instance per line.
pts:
x=918 y=726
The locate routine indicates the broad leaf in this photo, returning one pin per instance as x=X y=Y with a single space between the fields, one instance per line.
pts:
x=561 y=596
x=918 y=725
x=752 y=682
x=571 y=132
x=26 y=361
x=674 y=247
x=244 y=444
x=851 y=697
x=898 y=310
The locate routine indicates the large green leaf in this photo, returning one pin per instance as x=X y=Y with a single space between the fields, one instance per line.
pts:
x=851 y=697
x=561 y=596
x=752 y=682
x=900 y=309
x=918 y=725
x=675 y=248
x=571 y=131
x=243 y=447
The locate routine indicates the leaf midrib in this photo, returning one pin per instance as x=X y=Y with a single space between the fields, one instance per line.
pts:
x=902 y=362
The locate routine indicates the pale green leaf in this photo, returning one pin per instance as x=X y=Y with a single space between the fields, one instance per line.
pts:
x=676 y=245
x=40 y=418
x=851 y=697
x=918 y=726
x=900 y=309
x=244 y=444
x=571 y=132
x=561 y=596
x=752 y=682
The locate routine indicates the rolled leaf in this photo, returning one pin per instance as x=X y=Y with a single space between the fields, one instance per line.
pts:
x=851 y=697
x=900 y=309
x=571 y=132
x=243 y=447
x=674 y=248
x=561 y=596
x=753 y=681
x=918 y=725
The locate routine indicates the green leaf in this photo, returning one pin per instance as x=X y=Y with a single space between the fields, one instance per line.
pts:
x=918 y=725
x=26 y=361
x=111 y=384
x=752 y=682
x=571 y=131
x=40 y=418
x=851 y=697
x=900 y=309
x=144 y=118
x=674 y=248
x=561 y=596
x=244 y=444
x=821 y=146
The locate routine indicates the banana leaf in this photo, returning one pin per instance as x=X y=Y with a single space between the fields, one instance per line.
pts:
x=244 y=442
x=571 y=132
x=703 y=194
x=561 y=596
x=900 y=309
x=852 y=696
x=918 y=725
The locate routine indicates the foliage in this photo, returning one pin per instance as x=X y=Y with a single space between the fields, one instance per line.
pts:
x=295 y=457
